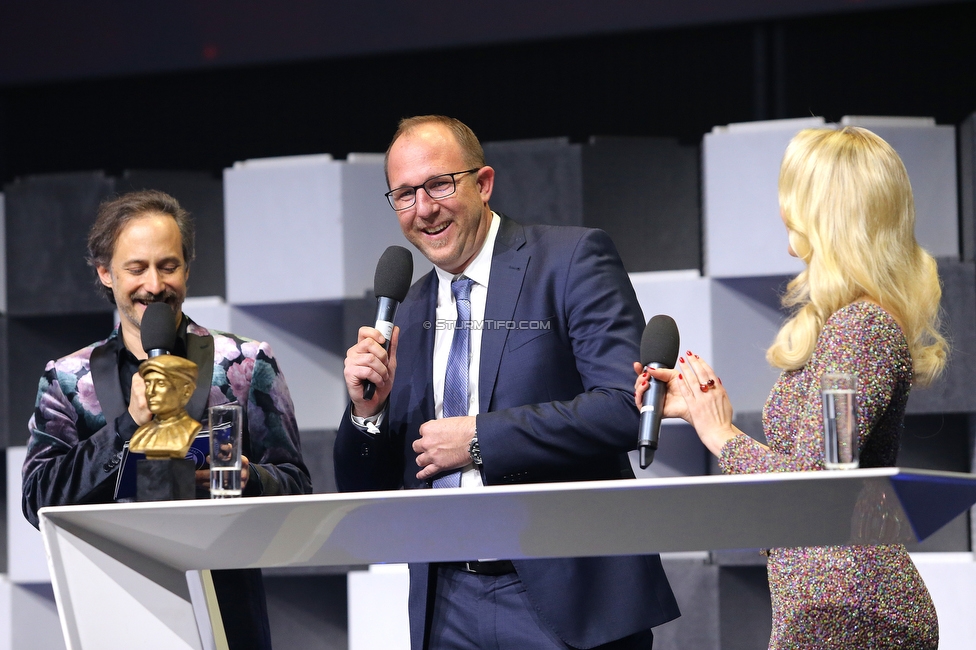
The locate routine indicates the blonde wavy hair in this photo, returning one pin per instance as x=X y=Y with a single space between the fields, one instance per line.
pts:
x=847 y=203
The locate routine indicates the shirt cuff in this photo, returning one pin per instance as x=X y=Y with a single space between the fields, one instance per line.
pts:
x=371 y=424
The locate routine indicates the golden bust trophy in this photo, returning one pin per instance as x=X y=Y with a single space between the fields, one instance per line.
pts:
x=166 y=474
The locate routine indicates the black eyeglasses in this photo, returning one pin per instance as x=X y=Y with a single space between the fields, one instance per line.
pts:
x=438 y=187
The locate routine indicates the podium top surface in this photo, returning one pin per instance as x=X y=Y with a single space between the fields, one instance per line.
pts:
x=864 y=506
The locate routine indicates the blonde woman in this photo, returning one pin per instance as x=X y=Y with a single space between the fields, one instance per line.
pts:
x=867 y=303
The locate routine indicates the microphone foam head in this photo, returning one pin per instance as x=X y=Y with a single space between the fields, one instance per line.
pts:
x=660 y=342
x=158 y=328
x=394 y=273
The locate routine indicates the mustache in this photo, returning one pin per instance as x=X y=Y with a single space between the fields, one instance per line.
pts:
x=168 y=297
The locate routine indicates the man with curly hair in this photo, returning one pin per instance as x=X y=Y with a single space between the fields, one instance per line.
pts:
x=90 y=402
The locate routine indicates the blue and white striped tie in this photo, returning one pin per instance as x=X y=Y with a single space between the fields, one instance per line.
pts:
x=456 y=379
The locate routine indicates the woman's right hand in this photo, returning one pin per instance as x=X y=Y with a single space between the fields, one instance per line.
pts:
x=696 y=395
x=674 y=403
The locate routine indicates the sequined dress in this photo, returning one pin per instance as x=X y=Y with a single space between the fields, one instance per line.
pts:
x=841 y=596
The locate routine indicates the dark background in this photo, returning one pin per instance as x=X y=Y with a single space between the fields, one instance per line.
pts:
x=111 y=85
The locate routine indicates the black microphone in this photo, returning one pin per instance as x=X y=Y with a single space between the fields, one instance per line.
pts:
x=391 y=282
x=158 y=329
x=659 y=349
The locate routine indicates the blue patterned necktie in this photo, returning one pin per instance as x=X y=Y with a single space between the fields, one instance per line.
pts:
x=456 y=379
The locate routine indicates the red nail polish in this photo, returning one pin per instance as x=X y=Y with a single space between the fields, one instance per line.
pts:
x=681 y=359
x=719 y=380
x=645 y=383
x=679 y=376
x=696 y=356
x=688 y=352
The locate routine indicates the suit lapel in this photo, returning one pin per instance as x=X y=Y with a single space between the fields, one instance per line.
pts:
x=416 y=321
x=105 y=380
x=108 y=389
x=200 y=350
x=508 y=265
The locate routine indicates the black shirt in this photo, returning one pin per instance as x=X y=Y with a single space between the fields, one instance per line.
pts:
x=125 y=426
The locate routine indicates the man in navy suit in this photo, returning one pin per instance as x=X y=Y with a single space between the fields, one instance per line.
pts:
x=554 y=329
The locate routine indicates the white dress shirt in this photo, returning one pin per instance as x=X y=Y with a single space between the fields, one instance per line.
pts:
x=478 y=270
x=445 y=316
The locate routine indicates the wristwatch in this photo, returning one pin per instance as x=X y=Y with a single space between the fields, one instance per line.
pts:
x=474 y=450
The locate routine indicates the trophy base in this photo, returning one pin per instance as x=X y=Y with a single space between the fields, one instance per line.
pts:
x=171 y=479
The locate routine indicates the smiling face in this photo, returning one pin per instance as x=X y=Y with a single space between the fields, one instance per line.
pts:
x=450 y=231
x=147 y=266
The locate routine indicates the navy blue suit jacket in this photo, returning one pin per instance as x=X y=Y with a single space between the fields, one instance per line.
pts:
x=556 y=404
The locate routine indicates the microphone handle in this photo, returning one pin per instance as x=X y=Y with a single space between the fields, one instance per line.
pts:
x=650 y=421
x=386 y=309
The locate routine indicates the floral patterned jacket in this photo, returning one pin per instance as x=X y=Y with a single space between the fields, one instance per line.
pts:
x=74 y=450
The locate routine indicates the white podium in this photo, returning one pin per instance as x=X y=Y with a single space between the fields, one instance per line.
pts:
x=140 y=571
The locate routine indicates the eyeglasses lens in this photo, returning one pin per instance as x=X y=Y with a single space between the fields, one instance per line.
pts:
x=440 y=186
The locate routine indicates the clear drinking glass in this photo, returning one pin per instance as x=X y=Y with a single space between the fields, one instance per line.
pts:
x=225 y=451
x=839 y=393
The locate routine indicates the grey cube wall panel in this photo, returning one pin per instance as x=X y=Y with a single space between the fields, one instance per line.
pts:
x=313 y=370
x=745 y=608
x=5 y=425
x=745 y=318
x=305 y=339
x=537 y=181
x=26 y=558
x=202 y=195
x=369 y=224
x=972 y=468
x=317 y=453
x=967 y=186
x=357 y=312
x=679 y=453
x=307 y=611
x=29 y=344
x=728 y=322
x=723 y=606
x=47 y=222
x=306 y=228
x=929 y=153
x=953 y=392
x=686 y=297
x=695 y=584
x=283 y=230
x=644 y=192
x=3 y=256
x=743 y=231
x=36 y=604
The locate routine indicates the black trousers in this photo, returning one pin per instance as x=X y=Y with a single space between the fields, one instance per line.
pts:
x=243 y=608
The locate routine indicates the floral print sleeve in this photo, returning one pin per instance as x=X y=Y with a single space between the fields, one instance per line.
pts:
x=246 y=372
x=72 y=453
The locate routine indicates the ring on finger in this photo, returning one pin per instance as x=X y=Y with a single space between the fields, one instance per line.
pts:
x=711 y=383
x=703 y=387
